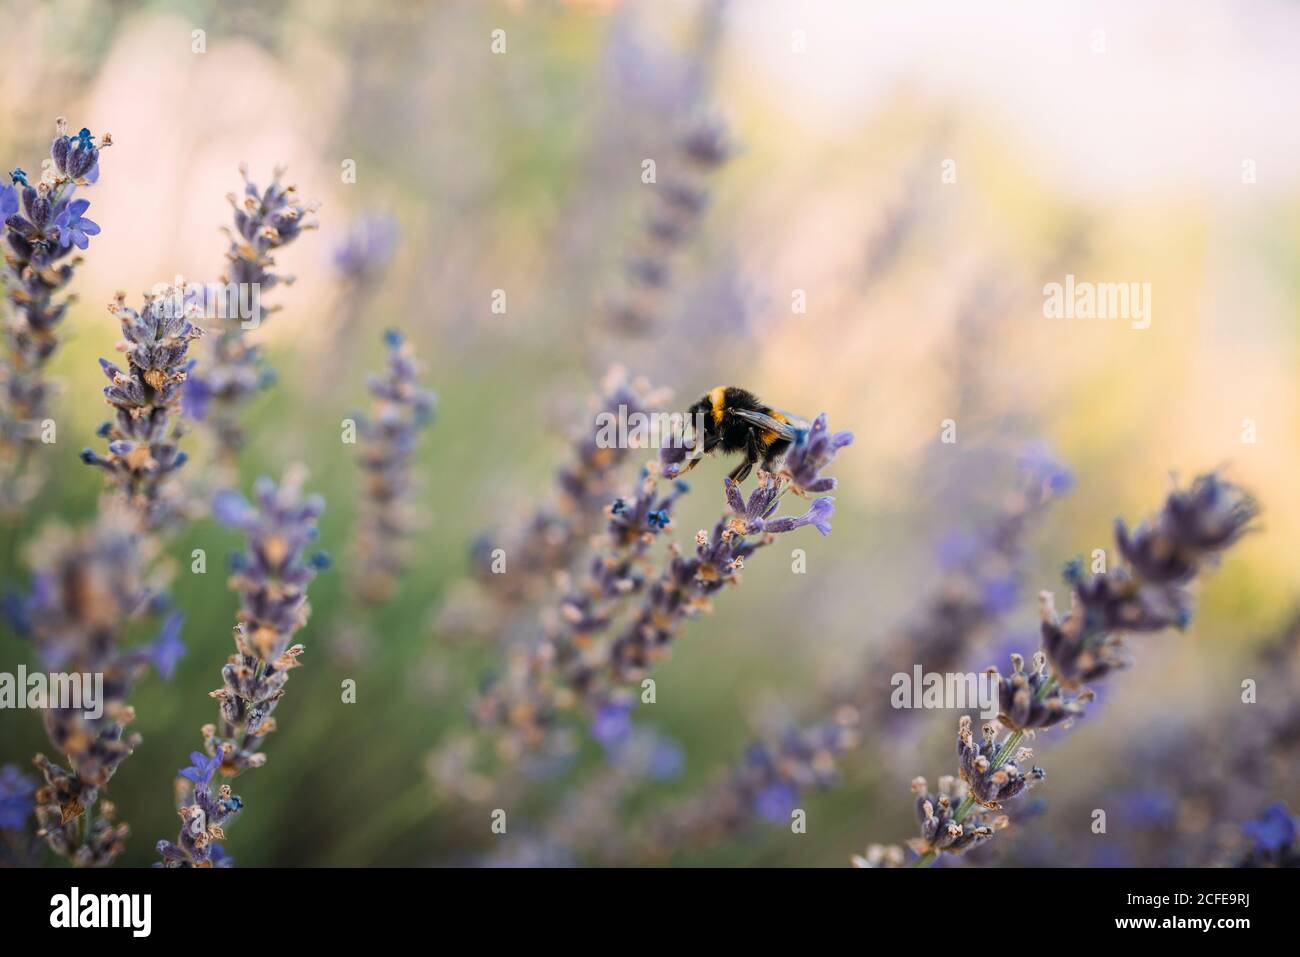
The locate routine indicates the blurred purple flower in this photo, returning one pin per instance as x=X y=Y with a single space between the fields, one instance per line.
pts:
x=1273 y=831
x=1150 y=807
x=668 y=760
x=776 y=801
x=196 y=398
x=1000 y=594
x=218 y=856
x=366 y=248
x=167 y=649
x=957 y=549
x=8 y=202
x=1038 y=461
x=15 y=797
x=231 y=508
x=612 y=723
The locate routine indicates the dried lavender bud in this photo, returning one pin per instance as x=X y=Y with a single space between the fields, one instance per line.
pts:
x=1170 y=548
x=940 y=828
x=989 y=781
x=1032 y=700
x=1148 y=595
x=271 y=577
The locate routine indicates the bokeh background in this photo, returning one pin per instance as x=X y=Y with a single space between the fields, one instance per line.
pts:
x=1120 y=142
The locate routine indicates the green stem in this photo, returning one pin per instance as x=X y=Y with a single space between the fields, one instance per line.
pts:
x=399 y=814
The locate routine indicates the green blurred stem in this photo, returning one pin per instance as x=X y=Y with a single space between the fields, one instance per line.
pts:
x=378 y=829
x=1004 y=753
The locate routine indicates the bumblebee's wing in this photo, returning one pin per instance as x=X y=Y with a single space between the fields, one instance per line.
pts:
x=796 y=422
x=784 y=429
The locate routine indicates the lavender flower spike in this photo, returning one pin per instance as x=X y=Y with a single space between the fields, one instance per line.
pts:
x=682 y=200
x=687 y=584
x=1148 y=592
x=41 y=222
x=89 y=588
x=265 y=221
x=142 y=439
x=271 y=577
x=385 y=448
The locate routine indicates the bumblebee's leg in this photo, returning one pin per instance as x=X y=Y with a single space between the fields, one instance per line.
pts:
x=741 y=471
x=752 y=455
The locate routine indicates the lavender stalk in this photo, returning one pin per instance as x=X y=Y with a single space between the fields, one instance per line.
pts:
x=42 y=224
x=774 y=773
x=572 y=667
x=1148 y=592
x=271 y=577
x=549 y=540
x=265 y=221
x=143 y=451
x=387 y=441
x=390 y=514
x=682 y=200
x=89 y=586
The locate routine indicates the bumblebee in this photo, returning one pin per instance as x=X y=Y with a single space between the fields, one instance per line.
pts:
x=735 y=421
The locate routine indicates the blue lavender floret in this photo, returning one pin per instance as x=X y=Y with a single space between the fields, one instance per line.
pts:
x=201 y=769
x=75 y=229
x=271 y=579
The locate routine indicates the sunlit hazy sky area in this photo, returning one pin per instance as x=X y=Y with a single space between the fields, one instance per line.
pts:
x=1106 y=97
